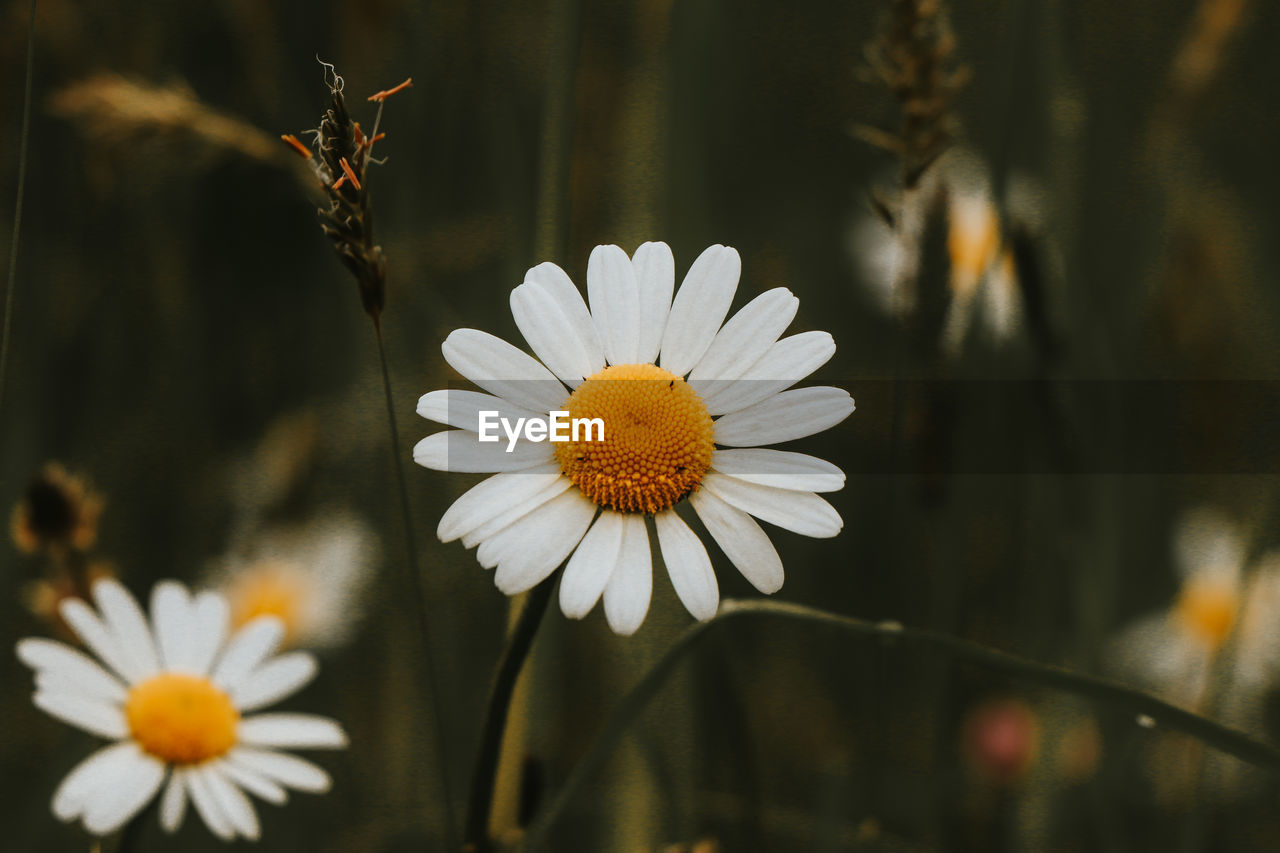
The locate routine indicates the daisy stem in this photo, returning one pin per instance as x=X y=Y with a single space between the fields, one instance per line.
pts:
x=419 y=597
x=24 y=137
x=485 y=774
x=1105 y=693
x=132 y=832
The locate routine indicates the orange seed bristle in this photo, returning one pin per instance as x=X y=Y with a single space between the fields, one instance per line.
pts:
x=387 y=93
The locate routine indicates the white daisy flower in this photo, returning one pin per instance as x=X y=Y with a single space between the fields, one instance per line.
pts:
x=1172 y=652
x=686 y=406
x=311 y=577
x=985 y=299
x=171 y=695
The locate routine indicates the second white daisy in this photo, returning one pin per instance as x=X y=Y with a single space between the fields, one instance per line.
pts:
x=171 y=696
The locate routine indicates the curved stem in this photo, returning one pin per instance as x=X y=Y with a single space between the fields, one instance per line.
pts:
x=1100 y=690
x=24 y=135
x=495 y=719
x=419 y=598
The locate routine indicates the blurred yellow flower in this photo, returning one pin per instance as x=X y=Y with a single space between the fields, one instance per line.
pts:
x=311 y=577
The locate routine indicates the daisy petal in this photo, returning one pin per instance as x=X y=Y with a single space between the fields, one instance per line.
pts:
x=743 y=542
x=745 y=338
x=250 y=646
x=800 y=512
x=699 y=308
x=253 y=781
x=462 y=451
x=614 y=295
x=492 y=497
x=101 y=770
x=550 y=333
x=211 y=620
x=785 y=417
x=530 y=549
x=173 y=803
x=288 y=770
x=125 y=620
x=304 y=731
x=138 y=781
x=502 y=369
x=274 y=680
x=232 y=802
x=688 y=565
x=515 y=513
x=589 y=568
x=781 y=469
x=461 y=409
x=93 y=715
x=96 y=635
x=171 y=620
x=626 y=596
x=85 y=675
x=557 y=284
x=656 y=278
x=786 y=363
x=207 y=805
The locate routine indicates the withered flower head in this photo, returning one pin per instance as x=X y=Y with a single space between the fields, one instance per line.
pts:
x=58 y=511
x=344 y=153
x=43 y=598
x=913 y=57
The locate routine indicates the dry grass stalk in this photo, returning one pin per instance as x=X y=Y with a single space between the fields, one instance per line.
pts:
x=343 y=154
x=139 y=119
x=913 y=57
x=1203 y=51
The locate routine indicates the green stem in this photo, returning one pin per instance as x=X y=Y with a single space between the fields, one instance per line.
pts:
x=1100 y=690
x=414 y=577
x=485 y=774
x=554 y=158
x=24 y=135
x=131 y=835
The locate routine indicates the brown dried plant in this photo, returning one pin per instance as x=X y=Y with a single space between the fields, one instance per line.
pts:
x=343 y=155
x=913 y=57
x=141 y=119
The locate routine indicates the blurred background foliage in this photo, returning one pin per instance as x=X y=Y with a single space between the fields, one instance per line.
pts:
x=176 y=302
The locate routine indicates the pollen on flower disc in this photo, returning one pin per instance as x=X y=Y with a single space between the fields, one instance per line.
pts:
x=181 y=719
x=658 y=439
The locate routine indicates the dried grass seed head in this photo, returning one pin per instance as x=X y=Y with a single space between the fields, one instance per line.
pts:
x=58 y=511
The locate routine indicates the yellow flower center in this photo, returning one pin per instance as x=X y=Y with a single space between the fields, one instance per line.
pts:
x=658 y=439
x=973 y=238
x=1207 y=609
x=270 y=588
x=181 y=719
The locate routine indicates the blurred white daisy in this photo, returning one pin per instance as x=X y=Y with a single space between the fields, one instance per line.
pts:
x=686 y=406
x=312 y=577
x=1173 y=652
x=170 y=694
x=983 y=282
